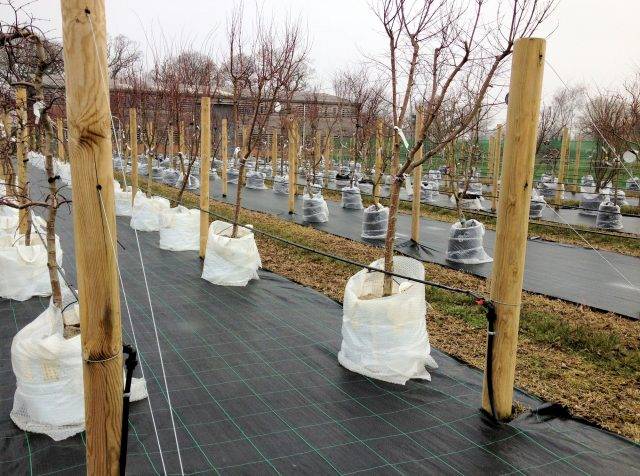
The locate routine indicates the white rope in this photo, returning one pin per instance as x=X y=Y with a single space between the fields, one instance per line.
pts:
x=153 y=319
x=133 y=331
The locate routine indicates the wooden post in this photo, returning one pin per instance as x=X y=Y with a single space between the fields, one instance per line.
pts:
x=292 y=150
x=60 y=138
x=564 y=152
x=378 y=163
x=317 y=152
x=21 y=157
x=181 y=138
x=274 y=149
x=327 y=159
x=417 y=181
x=513 y=217
x=244 y=153
x=150 y=153
x=497 y=158
x=88 y=121
x=224 y=140
x=205 y=165
x=170 y=152
x=133 y=138
x=576 y=165
x=490 y=157
x=6 y=175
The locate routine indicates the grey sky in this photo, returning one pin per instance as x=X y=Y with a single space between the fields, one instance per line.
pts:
x=595 y=42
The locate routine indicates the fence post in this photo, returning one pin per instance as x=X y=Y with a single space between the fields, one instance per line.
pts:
x=205 y=165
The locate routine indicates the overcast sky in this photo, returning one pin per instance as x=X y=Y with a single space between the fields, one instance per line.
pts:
x=593 y=42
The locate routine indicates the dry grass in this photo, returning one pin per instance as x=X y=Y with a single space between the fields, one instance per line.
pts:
x=586 y=360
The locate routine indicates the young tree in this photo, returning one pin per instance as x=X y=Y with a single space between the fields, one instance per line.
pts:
x=455 y=44
x=28 y=58
x=557 y=114
x=260 y=73
x=122 y=54
x=365 y=96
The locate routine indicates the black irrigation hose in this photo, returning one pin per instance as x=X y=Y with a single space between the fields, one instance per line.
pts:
x=538 y=221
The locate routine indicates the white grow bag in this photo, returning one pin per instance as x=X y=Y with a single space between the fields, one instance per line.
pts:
x=49 y=395
x=23 y=269
x=230 y=261
x=10 y=221
x=180 y=229
x=123 y=205
x=466 y=243
x=386 y=337
x=147 y=211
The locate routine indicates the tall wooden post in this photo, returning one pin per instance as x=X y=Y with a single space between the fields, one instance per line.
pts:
x=244 y=153
x=7 y=124
x=21 y=157
x=378 y=162
x=417 y=181
x=170 y=152
x=328 y=149
x=133 y=139
x=205 y=165
x=224 y=141
x=497 y=158
x=292 y=151
x=576 y=165
x=88 y=120
x=317 y=151
x=490 y=157
x=150 y=153
x=60 y=138
x=564 y=152
x=181 y=139
x=274 y=149
x=513 y=217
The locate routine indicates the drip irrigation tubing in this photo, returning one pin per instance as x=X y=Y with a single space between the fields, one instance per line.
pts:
x=494 y=215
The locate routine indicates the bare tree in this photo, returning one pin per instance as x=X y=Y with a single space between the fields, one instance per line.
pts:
x=557 y=114
x=28 y=58
x=260 y=72
x=456 y=45
x=122 y=54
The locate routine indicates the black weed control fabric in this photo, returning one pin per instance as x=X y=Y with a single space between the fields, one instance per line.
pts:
x=257 y=389
x=572 y=273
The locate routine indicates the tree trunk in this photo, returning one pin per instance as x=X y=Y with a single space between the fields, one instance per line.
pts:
x=52 y=258
x=236 y=210
x=391 y=228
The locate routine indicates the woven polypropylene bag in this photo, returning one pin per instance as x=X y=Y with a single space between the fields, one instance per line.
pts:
x=49 y=396
x=386 y=337
x=230 y=261
x=23 y=269
x=180 y=229
x=147 y=211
